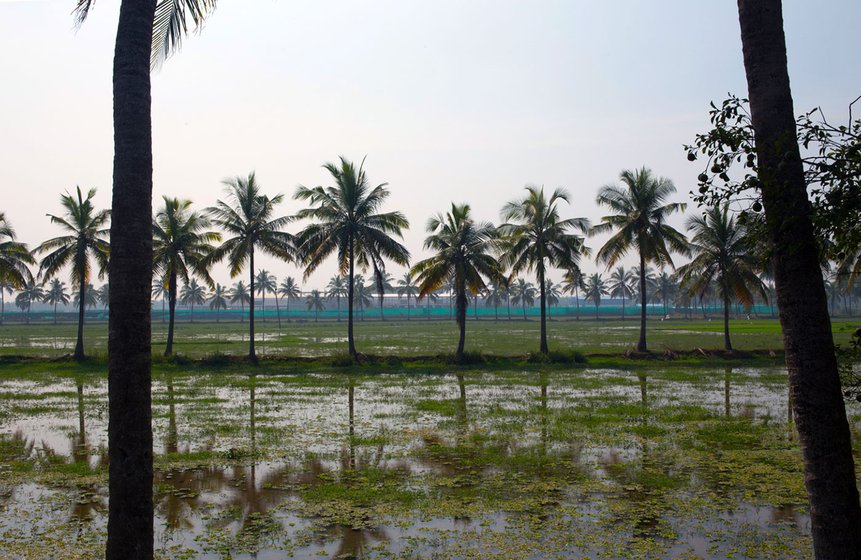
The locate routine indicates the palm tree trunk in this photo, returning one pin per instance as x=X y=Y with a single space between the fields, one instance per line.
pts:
x=55 y=313
x=577 y=301
x=171 y=294
x=461 y=317
x=277 y=311
x=251 y=354
x=408 y=306
x=726 y=342
x=820 y=415
x=641 y=344
x=130 y=480
x=623 y=304
x=351 y=346
x=82 y=299
x=543 y=304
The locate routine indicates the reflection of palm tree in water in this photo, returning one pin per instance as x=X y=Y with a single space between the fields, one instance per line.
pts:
x=171 y=442
x=462 y=420
x=542 y=379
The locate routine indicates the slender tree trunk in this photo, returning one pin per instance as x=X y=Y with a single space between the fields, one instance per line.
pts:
x=577 y=301
x=351 y=345
x=55 y=313
x=820 y=415
x=171 y=294
x=277 y=311
x=543 y=305
x=461 y=317
x=726 y=342
x=82 y=300
x=130 y=481
x=408 y=306
x=252 y=355
x=641 y=344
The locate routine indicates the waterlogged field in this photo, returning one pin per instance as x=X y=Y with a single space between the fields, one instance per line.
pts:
x=655 y=462
x=412 y=338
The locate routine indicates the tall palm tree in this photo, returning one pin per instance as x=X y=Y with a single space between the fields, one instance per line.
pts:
x=595 y=287
x=522 y=294
x=552 y=292
x=406 y=287
x=347 y=223
x=639 y=219
x=289 y=289
x=721 y=252
x=85 y=238
x=247 y=219
x=27 y=295
x=147 y=33
x=181 y=244
x=192 y=294
x=315 y=302
x=463 y=254
x=665 y=289
x=14 y=261
x=103 y=294
x=620 y=284
x=572 y=283
x=266 y=282
x=826 y=443
x=240 y=294
x=218 y=300
x=89 y=298
x=536 y=237
x=56 y=294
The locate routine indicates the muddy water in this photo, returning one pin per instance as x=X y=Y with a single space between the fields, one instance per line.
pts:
x=601 y=463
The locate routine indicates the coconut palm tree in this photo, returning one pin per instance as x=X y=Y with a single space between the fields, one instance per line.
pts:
x=247 y=219
x=463 y=254
x=240 y=294
x=85 y=227
x=363 y=294
x=522 y=294
x=27 y=295
x=266 y=282
x=192 y=294
x=536 y=237
x=721 y=252
x=553 y=292
x=496 y=295
x=14 y=261
x=826 y=443
x=103 y=294
x=347 y=223
x=594 y=288
x=315 y=302
x=181 y=243
x=159 y=291
x=665 y=288
x=289 y=289
x=572 y=283
x=56 y=294
x=639 y=219
x=89 y=298
x=383 y=284
x=147 y=33
x=407 y=288
x=218 y=300
x=620 y=285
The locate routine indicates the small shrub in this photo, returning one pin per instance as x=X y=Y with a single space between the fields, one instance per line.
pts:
x=341 y=360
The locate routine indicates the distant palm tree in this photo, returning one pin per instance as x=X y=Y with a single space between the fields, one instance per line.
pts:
x=620 y=285
x=14 y=261
x=496 y=295
x=289 y=289
x=639 y=220
x=522 y=294
x=363 y=294
x=347 y=224
x=536 y=238
x=218 y=300
x=266 y=282
x=86 y=237
x=240 y=294
x=407 y=288
x=103 y=295
x=594 y=289
x=721 y=255
x=572 y=283
x=430 y=298
x=463 y=254
x=315 y=302
x=159 y=290
x=192 y=294
x=553 y=292
x=247 y=219
x=382 y=285
x=181 y=243
x=665 y=289
x=89 y=297
x=56 y=294
x=29 y=293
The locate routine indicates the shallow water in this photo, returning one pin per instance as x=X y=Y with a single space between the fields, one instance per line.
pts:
x=601 y=463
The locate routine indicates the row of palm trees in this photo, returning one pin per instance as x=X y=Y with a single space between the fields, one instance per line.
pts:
x=469 y=257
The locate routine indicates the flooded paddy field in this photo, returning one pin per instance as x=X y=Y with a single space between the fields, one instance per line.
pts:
x=651 y=463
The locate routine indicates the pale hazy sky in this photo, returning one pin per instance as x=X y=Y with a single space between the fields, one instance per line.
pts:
x=451 y=101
